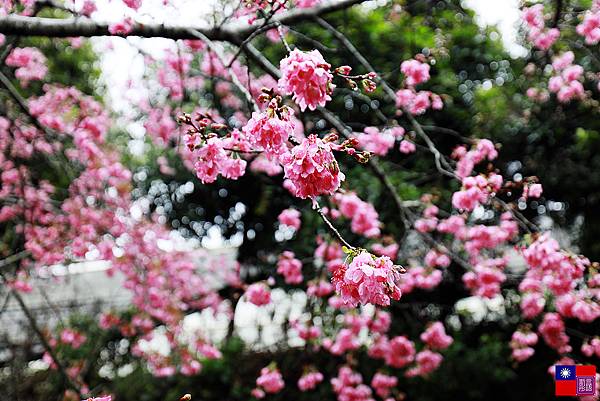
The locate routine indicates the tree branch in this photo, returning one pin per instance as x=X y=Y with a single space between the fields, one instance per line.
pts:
x=237 y=32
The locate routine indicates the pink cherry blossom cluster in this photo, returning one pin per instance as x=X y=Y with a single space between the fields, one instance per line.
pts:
x=122 y=27
x=468 y=159
x=306 y=3
x=565 y=81
x=364 y=217
x=390 y=250
x=72 y=338
x=348 y=386
x=522 y=343
x=367 y=279
x=590 y=26
x=290 y=268
x=591 y=347
x=383 y=384
x=258 y=294
x=269 y=131
x=160 y=125
x=476 y=191
x=291 y=218
x=312 y=168
x=416 y=102
x=306 y=76
x=427 y=361
x=378 y=142
x=310 y=380
x=542 y=37
x=435 y=337
x=30 y=64
x=552 y=330
x=306 y=332
x=415 y=72
x=270 y=381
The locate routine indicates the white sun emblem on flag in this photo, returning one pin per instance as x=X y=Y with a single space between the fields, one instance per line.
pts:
x=565 y=373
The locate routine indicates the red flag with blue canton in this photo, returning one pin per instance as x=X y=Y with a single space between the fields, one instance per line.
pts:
x=574 y=380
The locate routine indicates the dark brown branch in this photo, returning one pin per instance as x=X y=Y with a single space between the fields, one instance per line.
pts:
x=33 y=323
x=232 y=32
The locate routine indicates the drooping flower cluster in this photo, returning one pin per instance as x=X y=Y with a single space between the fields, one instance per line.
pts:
x=476 y=191
x=212 y=159
x=415 y=72
x=258 y=294
x=590 y=26
x=306 y=76
x=312 y=168
x=365 y=219
x=348 y=386
x=435 y=337
x=367 y=279
x=270 y=380
x=291 y=218
x=30 y=64
x=310 y=380
x=269 y=130
x=290 y=268
x=565 y=81
x=379 y=142
x=416 y=102
x=212 y=155
x=542 y=37
x=467 y=160
x=522 y=343
x=383 y=384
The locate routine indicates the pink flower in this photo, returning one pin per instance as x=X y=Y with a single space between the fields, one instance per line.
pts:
x=290 y=268
x=365 y=219
x=415 y=72
x=306 y=76
x=427 y=362
x=521 y=344
x=30 y=63
x=270 y=380
x=367 y=279
x=134 y=4
x=348 y=385
x=307 y=3
x=435 y=336
x=105 y=398
x=122 y=28
x=383 y=383
x=291 y=218
x=544 y=40
x=533 y=191
x=552 y=330
x=407 y=147
x=400 y=352
x=590 y=27
x=391 y=251
x=262 y=164
x=258 y=294
x=374 y=141
x=561 y=62
x=309 y=381
x=266 y=131
x=312 y=168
